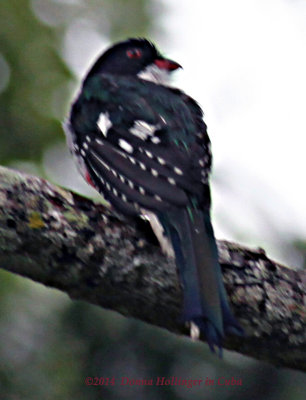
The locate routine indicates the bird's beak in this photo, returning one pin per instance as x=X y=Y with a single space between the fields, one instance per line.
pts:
x=169 y=65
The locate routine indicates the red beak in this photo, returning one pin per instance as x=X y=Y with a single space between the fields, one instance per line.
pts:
x=169 y=65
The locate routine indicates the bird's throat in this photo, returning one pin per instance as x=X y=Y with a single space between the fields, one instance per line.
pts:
x=156 y=75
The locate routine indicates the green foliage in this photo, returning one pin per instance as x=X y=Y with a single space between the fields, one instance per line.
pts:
x=36 y=71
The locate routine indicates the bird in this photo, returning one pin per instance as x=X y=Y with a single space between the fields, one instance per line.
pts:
x=143 y=145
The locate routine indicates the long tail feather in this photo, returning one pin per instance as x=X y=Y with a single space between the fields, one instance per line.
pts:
x=205 y=300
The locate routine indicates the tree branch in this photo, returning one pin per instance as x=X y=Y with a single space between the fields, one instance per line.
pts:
x=68 y=242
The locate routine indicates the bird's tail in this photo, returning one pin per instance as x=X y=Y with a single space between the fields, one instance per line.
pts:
x=205 y=300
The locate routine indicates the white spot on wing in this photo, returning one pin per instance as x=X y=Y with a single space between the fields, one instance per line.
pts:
x=149 y=154
x=155 y=140
x=125 y=146
x=133 y=161
x=104 y=123
x=178 y=171
x=142 y=129
x=122 y=154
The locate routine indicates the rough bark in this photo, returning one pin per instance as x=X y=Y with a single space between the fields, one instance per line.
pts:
x=68 y=242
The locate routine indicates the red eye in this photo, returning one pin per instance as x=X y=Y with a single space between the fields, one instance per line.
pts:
x=134 y=53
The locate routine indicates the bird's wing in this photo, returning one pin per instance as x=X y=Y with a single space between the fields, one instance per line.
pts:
x=151 y=155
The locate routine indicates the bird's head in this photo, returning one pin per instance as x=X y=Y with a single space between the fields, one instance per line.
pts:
x=135 y=57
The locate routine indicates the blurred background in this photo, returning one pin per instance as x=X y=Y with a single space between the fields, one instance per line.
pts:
x=245 y=62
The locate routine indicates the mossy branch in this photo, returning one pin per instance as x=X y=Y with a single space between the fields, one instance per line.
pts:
x=68 y=242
